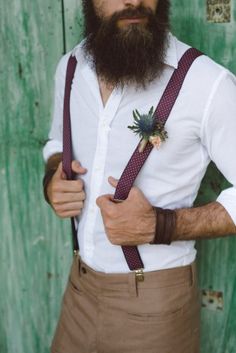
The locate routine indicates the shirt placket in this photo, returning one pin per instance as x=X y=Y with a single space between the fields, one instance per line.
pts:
x=106 y=115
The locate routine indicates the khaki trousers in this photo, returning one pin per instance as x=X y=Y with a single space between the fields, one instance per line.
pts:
x=114 y=313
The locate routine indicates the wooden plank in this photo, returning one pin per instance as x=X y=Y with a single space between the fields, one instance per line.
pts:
x=35 y=254
x=189 y=22
x=216 y=258
x=217 y=269
x=73 y=19
x=32 y=44
x=35 y=247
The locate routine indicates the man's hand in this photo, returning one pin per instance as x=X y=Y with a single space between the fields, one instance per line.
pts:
x=67 y=196
x=131 y=222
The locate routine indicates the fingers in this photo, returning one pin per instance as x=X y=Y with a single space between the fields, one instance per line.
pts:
x=72 y=209
x=135 y=193
x=68 y=197
x=59 y=174
x=69 y=214
x=112 y=181
x=77 y=168
x=105 y=201
x=68 y=186
x=68 y=204
x=69 y=207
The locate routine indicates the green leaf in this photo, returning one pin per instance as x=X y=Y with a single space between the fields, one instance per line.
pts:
x=151 y=111
x=134 y=115
x=137 y=112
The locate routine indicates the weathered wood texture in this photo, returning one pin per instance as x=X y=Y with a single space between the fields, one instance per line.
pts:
x=217 y=272
x=216 y=259
x=73 y=23
x=35 y=246
x=189 y=22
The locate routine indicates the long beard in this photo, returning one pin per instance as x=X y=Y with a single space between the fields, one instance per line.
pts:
x=130 y=55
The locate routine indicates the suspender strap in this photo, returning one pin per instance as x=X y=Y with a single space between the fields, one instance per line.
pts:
x=137 y=160
x=67 y=140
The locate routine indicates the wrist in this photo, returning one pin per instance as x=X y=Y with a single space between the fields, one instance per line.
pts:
x=46 y=180
x=165 y=226
x=50 y=169
x=152 y=226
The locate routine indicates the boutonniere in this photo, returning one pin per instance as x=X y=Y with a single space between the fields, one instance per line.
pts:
x=148 y=129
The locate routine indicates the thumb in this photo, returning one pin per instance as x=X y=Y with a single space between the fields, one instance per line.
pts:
x=112 y=181
x=135 y=194
x=104 y=201
x=77 y=168
x=59 y=174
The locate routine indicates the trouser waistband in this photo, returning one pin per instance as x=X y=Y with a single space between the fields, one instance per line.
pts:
x=127 y=282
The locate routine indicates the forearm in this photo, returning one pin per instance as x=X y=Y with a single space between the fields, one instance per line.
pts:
x=135 y=221
x=53 y=162
x=205 y=222
x=50 y=168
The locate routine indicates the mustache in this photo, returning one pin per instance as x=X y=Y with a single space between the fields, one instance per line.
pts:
x=138 y=12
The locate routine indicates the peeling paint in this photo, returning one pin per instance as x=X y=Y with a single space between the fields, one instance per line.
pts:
x=32 y=239
x=39 y=239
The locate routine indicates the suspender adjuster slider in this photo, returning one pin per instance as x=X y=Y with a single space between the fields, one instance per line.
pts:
x=139 y=275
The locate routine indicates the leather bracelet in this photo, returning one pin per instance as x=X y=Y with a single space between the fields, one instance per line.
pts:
x=165 y=226
x=46 y=180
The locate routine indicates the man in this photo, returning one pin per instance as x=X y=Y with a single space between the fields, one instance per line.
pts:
x=124 y=65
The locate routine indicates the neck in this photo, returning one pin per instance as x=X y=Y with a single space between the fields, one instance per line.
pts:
x=105 y=90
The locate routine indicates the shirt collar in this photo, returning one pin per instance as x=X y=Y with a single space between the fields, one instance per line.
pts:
x=171 y=58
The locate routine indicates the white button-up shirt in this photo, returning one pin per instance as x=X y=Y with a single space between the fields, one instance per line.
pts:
x=201 y=127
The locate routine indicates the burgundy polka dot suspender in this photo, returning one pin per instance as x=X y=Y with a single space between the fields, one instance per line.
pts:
x=67 y=140
x=137 y=160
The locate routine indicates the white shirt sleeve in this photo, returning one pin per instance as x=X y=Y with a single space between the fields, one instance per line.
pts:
x=219 y=136
x=54 y=143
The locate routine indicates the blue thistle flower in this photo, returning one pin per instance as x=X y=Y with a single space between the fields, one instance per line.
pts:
x=148 y=128
x=144 y=124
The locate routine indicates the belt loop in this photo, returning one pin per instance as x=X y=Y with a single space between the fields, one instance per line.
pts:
x=77 y=259
x=193 y=273
x=133 y=290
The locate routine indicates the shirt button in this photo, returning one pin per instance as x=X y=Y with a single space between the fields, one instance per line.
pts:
x=107 y=128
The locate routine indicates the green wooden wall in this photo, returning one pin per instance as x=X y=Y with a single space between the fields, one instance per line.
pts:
x=35 y=249
x=216 y=258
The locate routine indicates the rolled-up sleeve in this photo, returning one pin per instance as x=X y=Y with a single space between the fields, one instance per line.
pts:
x=219 y=136
x=54 y=143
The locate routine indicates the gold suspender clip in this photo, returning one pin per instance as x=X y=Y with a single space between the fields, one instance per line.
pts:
x=76 y=252
x=139 y=275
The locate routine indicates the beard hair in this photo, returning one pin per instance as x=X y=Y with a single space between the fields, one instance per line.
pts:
x=130 y=55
